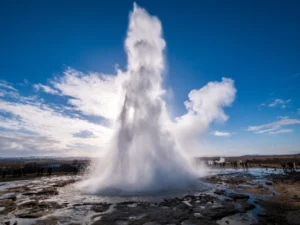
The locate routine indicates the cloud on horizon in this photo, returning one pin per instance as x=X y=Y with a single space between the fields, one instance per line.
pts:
x=274 y=127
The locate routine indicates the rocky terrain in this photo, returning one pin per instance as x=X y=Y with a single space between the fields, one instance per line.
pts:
x=235 y=197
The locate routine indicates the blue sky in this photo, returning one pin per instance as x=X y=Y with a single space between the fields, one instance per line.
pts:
x=255 y=43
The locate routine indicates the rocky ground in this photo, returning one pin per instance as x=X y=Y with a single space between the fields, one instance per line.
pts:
x=235 y=198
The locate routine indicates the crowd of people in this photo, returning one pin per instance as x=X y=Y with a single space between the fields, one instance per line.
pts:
x=286 y=166
x=40 y=171
x=235 y=164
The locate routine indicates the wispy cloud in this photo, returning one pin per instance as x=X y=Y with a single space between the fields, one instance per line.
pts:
x=46 y=89
x=274 y=127
x=47 y=122
x=7 y=90
x=281 y=131
x=222 y=134
x=93 y=93
x=6 y=85
x=280 y=102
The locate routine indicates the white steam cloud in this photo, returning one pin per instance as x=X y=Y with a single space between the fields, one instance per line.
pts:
x=147 y=149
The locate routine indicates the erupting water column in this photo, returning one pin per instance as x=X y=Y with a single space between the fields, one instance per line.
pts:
x=143 y=155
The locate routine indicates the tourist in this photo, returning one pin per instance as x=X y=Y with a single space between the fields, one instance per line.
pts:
x=284 y=167
x=42 y=171
x=235 y=165
x=243 y=165
x=75 y=170
x=246 y=165
x=4 y=173
x=19 y=172
x=291 y=167
x=49 y=171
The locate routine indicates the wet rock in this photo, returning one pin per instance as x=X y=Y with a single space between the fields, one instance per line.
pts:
x=187 y=203
x=12 y=197
x=63 y=183
x=219 y=192
x=236 y=196
x=8 y=206
x=44 y=191
x=29 y=203
x=51 y=221
x=29 y=193
x=48 y=191
x=220 y=213
x=151 y=223
x=190 y=198
x=100 y=207
x=293 y=217
x=30 y=214
x=247 y=206
x=169 y=202
x=198 y=222
x=198 y=215
x=217 y=207
x=49 y=205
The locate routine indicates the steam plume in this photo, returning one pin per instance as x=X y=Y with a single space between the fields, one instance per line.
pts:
x=145 y=152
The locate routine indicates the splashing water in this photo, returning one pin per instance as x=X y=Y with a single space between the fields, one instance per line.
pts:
x=143 y=155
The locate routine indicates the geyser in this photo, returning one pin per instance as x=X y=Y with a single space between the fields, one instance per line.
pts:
x=145 y=154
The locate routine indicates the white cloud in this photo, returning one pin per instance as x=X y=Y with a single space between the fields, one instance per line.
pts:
x=41 y=119
x=6 y=85
x=7 y=90
x=280 y=102
x=222 y=134
x=272 y=128
x=22 y=144
x=281 y=131
x=46 y=89
x=93 y=93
